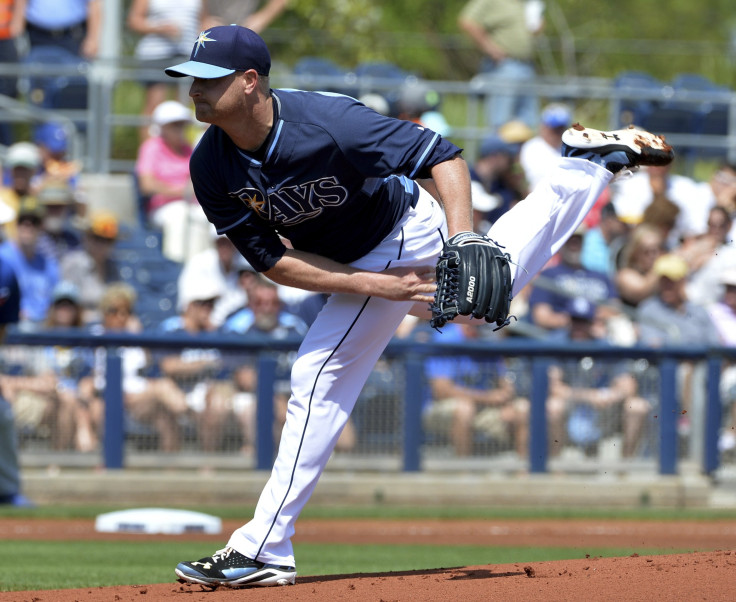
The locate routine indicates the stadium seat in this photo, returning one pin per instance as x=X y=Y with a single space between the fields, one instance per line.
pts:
x=381 y=70
x=312 y=69
x=635 y=110
x=57 y=91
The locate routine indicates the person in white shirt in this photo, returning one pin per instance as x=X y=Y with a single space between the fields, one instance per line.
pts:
x=541 y=154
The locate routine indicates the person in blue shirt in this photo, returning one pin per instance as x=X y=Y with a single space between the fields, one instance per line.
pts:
x=555 y=286
x=72 y=25
x=10 y=486
x=320 y=192
x=602 y=244
x=589 y=399
x=37 y=273
x=470 y=395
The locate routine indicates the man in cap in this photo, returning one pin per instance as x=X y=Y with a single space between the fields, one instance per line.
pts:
x=52 y=140
x=339 y=182
x=59 y=234
x=539 y=155
x=92 y=267
x=668 y=317
x=496 y=168
x=37 y=272
x=556 y=285
x=590 y=399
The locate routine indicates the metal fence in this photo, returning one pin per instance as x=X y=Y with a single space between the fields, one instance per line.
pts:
x=389 y=423
x=709 y=130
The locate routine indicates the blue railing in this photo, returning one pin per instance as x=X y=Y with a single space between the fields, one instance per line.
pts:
x=413 y=356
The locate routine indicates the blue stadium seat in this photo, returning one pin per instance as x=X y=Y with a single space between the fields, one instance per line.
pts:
x=153 y=308
x=311 y=68
x=60 y=91
x=635 y=110
x=381 y=70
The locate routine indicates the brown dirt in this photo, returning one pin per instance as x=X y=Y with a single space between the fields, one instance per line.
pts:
x=708 y=572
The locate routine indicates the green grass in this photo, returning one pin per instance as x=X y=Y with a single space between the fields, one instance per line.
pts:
x=76 y=564
x=401 y=512
x=79 y=564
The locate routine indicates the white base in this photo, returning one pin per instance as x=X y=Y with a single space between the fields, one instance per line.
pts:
x=158 y=520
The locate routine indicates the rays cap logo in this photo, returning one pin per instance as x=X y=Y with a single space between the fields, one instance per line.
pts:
x=223 y=50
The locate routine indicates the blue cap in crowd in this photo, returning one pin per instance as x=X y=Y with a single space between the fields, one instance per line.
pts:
x=223 y=50
x=495 y=144
x=581 y=309
x=557 y=115
x=53 y=136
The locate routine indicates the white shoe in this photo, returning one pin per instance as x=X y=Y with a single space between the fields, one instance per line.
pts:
x=618 y=149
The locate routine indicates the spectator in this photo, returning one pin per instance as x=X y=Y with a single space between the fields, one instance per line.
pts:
x=602 y=243
x=631 y=197
x=45 y=395
x=662 y=214
x=265 y=316
x=52 y=140
x=636 y=279
x=92 y=267
x=162 y=169
x=253 y=14
x=12 y=23
x=155 y=401
x=541 y=153
x=22 y=161
x=167 y=30
x=59 y=236
x=722 y=185
x=10 y=486
x=37 y=273
x=723 y=315
x=705 y=285
x=198 y=371
x=500 y=30
x=669 y=319
x=555 y=286
x=495 y=169
x=420 y=103
x=588 y=399
x=73 y=26
x=470 y=396
x=224 y=260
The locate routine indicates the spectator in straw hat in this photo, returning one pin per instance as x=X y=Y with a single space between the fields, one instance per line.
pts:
x=669 y=318
x=92 y=267
x=59 y=233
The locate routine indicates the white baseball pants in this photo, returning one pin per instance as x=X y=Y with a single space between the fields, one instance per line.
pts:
x=350 y=333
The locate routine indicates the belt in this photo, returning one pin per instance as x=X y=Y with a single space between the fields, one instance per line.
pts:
x=65 y=32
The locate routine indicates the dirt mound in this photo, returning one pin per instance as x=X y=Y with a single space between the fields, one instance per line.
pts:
x=696 y=576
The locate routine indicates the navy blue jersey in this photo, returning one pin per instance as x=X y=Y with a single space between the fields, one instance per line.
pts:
x=333 y=177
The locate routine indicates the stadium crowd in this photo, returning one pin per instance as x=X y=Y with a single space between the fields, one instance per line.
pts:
x=654 y=263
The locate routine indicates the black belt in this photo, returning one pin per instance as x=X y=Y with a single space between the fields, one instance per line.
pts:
x=75 y=31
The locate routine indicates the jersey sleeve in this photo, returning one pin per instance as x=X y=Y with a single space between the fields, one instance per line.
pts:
x=380 y=146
